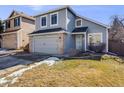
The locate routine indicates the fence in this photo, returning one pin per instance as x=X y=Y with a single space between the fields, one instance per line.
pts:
x=116 y=46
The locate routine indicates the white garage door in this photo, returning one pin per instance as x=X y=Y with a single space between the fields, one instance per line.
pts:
x=46 y=44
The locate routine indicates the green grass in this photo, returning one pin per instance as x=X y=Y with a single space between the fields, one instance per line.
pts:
x=78 y=73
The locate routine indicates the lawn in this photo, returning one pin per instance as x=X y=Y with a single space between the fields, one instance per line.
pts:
x=77 y=73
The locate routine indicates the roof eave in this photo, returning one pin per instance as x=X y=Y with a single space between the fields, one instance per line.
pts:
x=96 y=22
x=67 y=7
x=57 y=9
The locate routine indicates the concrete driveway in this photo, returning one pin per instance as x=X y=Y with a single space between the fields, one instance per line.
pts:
x=12 y=60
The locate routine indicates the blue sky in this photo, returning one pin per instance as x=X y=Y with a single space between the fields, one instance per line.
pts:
x=99 y=13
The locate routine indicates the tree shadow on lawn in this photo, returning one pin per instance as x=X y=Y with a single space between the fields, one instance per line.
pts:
x=87 y=56
x=97 y=57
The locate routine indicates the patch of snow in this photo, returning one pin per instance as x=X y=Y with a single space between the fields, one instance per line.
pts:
x=14 y=80
x=2 y=51
x=15 y=75
x=3 y=80
x=53 y=58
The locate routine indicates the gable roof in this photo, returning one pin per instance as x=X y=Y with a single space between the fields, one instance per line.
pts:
x=93 y=21
x=75 y=14
x=12 y=13
x=20 y=14
x=57 y=9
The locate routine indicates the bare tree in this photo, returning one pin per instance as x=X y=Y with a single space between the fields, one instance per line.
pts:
x=117 y=28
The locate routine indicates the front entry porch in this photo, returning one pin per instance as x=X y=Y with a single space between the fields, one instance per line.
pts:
x=80 y=38
x=80 y=41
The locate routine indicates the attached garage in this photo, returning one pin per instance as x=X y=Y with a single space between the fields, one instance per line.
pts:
x=48 y=44
x=9 y=41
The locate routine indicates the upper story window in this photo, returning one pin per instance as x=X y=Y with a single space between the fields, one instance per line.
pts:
x=43 y=21
x=7 y=24
x=54 y=19
x=78 y=23
x=16 y=22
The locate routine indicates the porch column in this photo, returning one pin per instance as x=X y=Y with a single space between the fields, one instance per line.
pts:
x=85 y=39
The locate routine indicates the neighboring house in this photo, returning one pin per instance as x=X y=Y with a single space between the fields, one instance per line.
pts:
x=17 y=28
x=62 y=30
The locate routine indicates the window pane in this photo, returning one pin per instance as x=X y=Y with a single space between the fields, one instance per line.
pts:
x=43 y=21
x=54 y=19
x=78 y=23
x=17 y=22
x=7 y=24
x=95 y=39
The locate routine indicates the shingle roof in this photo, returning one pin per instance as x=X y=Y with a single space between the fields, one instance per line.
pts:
x=20 y=14
x=80 y=29
x=48 y=30
x=74 y=13
x=57 y=9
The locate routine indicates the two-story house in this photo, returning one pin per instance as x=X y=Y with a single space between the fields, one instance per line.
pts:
x=60 y=30
x=17 y=27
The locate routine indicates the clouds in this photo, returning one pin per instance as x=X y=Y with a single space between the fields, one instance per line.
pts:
x=36 y=7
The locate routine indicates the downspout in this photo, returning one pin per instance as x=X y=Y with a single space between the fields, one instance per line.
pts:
x=107 y=37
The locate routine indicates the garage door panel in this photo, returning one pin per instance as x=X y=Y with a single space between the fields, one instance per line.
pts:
x=10 y=41
x=46 y=44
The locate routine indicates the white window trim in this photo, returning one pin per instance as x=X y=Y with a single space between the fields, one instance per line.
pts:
x=76 y=23
x=96 y=34
x=41 y=22
x=57 y=19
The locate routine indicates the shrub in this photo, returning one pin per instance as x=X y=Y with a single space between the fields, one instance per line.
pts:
x=98 y=48
x=116 y=58
x=73 y=52
x=106 y=57
x=26 y=48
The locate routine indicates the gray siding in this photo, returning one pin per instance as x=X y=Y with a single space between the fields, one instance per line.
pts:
x=69 y=41
x=28 y=21
x=95 y=28
x=66 y=20
x=61 y=21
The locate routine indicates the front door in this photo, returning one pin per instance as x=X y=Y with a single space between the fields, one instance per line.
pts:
x=79 y=42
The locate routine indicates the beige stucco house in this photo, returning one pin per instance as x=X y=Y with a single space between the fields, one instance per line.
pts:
x=17 y=27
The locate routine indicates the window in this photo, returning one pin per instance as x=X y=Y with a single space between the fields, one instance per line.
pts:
x=16 y=22
x=54 y=19
x=43 y=21
x=4 y=26
x=94 y=38
x=78 y=23
x=7 y=24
